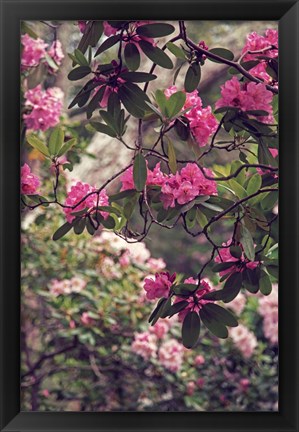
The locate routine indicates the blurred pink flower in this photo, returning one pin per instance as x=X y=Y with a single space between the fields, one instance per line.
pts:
x=171 y=355
x=268 y=309
x=45 y=107
x=29 y=181
x=244 y=339
x=145 y=344
x=34 y=50
x=199 y=360
x=55 y=51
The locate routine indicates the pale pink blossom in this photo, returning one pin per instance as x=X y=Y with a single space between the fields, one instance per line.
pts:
x=155 y=177
x=60 y=287
x=109 y=269
x=44 y=106
x=77 y=284
x=76 y=195
x=190 y=388
x=86 y=319
x=29 y=181
x=238 y=303
x=199 y=360
x=268 y=309
x=145 y=344
x=156 y=264
x=34 y=50
x=244 y=340
x=159 y=286
x=171 y=355
x=55 y=51
x=161 y=328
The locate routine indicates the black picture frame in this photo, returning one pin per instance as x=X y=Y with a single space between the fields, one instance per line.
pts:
x=12 y=12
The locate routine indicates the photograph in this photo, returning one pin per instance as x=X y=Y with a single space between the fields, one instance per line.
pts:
x=149 y=184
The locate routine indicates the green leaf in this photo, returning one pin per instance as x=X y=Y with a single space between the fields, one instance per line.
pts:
x=79 y=73
x=95 y=101
x=182 y=130
x=221 y=52
x=257 y=113
x=108 y=43
x=237 y=188
x=265 y=285
x=268 y=203
x=130 y=206
x=254 y=184
x=161 y=100
x=155 y=315
x=176 y=51
x=166 y=307
x=155 y=54
x=101 y=127
x=79 y=226
x=138 y=77
x=133 y=99
x=67 y=146
x=175 y=103
x=236 y=251
x=155 y=30
x=212 y=207
x=219 y=267
x=177 y=307
x=139 y=172
x=213 y=325
x=62 y=231
x=190 y=329
x=132 y=56
x=38 y=144
x=247 y=243
x=80 y=57
x=56 y=140
x=192 y=77
x=171 y=157
x=124 y=194
x=251 y=279
x=221 y=315
x=264 y=156
x=201 y=218
x=108 y=223
x=232 y=287
x=184 y=289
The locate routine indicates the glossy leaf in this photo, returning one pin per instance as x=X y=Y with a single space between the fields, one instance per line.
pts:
x=192 y=77
x=38 y=145
x=62 y=231
x=156 y=55
x=56 y=140
x=132 y=56
x=139 y=172
x=190 y=329
x=155 y=30
x=79 y=73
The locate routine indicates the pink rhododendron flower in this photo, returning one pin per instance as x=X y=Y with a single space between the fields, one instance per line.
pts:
x=45 y=107
x=155 y=177
x=108 y=29
x=145 y=344
x=29 y=181
x=55 y=51
x=186 y=185
x=190 y=388
x=171 y=355
x=77 y=193
x=160 y=329
x=238 y=304
x=159 y=286
x=86 y=319
x=156 y=264
x=205 y=288
x=224 y=255
x=268 y=309
x=244 y=384
x=244 y=339
x=200 y=382
x=202 y=122
x=34 y=50
x=246 y=97
x=67 y=286
x=82 y=25
x=199 y=360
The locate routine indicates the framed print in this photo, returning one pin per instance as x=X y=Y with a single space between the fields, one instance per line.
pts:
x=149 y=218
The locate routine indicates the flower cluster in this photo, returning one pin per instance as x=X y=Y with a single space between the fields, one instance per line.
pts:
x=186 y=185
x=29 y=181
x=256 y=42
x=66 y=286
x=180 y=188
x=35 y=51
x=247 y=96
x=44 y=107
x=76 y=195
x=159 y=286
x=238 y=304
x=195 y=302
x=201 y=120
x=169 y=354
x=244 y=339
x=268 y=308
x=155 y=177
x=224 y=255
